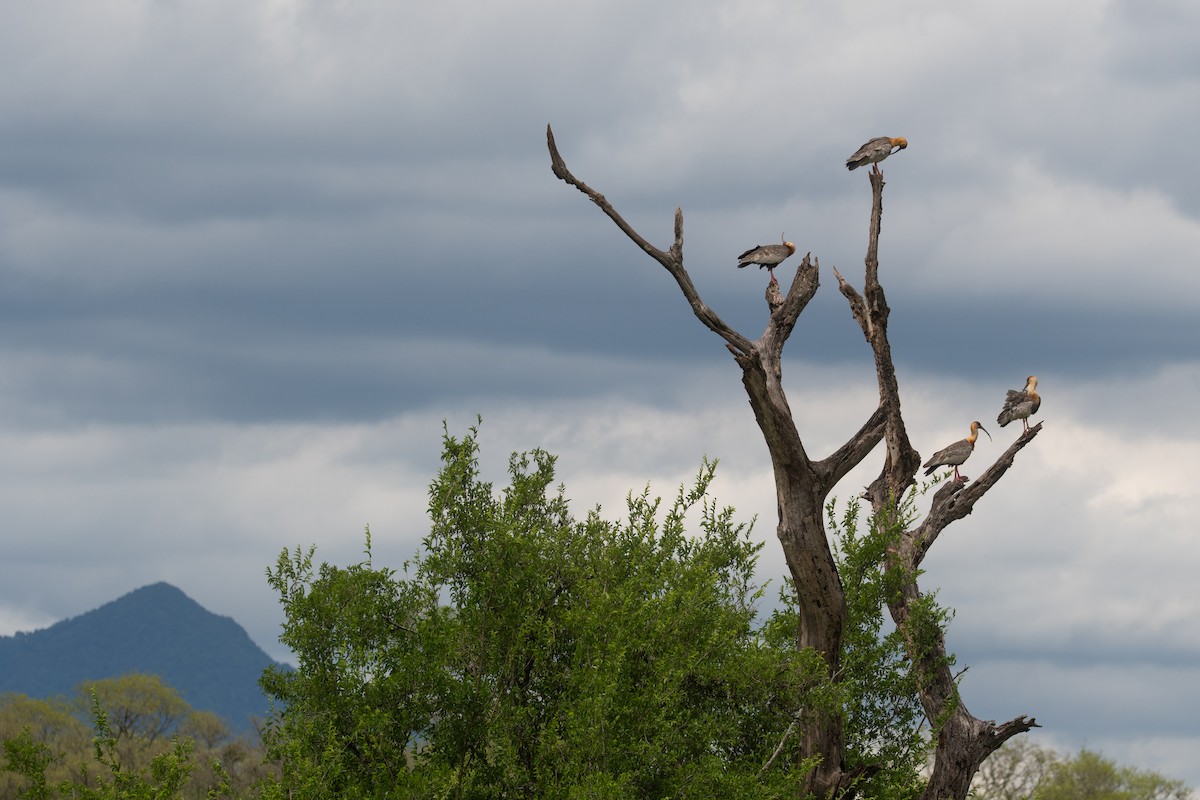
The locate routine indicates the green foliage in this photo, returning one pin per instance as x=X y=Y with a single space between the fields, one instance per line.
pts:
x=1021 y=770
x=139 y=706
x=1089 y=776
x=139 y=744
x=885 y=719
x=164 y=779
x=30 y=758
x=1014 y=772
x=525 y=653
x=887 y=742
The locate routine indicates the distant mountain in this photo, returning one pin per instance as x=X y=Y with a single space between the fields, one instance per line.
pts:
x=157 y=629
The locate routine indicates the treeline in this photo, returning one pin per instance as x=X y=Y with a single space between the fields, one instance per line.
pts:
x=1022 y=770
x=127 y=737
x=134 y=737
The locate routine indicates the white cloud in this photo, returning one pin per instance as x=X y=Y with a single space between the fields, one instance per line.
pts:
x=14 y=619
x=1105 y=710
x=1057 y=240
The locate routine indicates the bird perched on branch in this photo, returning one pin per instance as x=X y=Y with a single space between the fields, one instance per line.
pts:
x=1021 y=405
x=767 y=255
x=955 y=454
x=875 y=151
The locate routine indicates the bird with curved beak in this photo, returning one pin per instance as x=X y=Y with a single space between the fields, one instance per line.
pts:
x=1021 y=405
x=875 y=151
x=767 y=255
x=956 y=454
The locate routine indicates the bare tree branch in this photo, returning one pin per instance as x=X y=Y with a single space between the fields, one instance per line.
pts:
x=783 y=317
x=834 y=467
x=672 y=260
x=871 y=311
x=782 y=741
x=955 y=500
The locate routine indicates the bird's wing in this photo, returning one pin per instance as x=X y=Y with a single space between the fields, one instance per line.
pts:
x=1017 y=405
x=872 y=147
x=1015 y=401
x=872 y=152
x=765 y=254
x=946 y=454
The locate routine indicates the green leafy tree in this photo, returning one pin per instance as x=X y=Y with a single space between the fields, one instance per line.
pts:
x=27 y=757
x=167 y=773
x=1014 y=772
x=145 y=742
x=139 y=705
x=163 y=779
x=1090 y=776
x=1024 y=771
x=527 y=653
x=41 y=732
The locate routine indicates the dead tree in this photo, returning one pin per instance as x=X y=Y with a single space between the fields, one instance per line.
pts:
x=803 y=485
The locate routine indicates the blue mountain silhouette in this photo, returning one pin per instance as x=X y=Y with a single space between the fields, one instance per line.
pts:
x=158 y=630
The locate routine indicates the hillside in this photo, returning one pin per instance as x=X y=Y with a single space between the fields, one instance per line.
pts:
x=157 y=629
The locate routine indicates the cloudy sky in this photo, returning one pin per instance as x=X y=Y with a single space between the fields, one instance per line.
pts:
x=252 y=254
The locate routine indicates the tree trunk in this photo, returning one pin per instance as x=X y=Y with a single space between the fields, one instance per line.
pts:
x=801 y=493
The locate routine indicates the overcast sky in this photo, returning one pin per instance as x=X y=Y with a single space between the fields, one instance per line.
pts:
x=253 y=253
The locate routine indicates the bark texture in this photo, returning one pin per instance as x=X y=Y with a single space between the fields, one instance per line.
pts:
x=803 y=484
